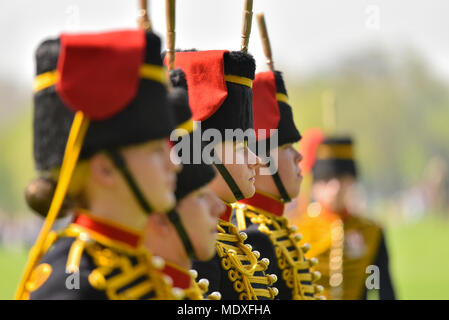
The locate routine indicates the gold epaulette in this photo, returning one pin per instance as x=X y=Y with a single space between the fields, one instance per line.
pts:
x=122 y=273
x=241 y=264
x=291 y=260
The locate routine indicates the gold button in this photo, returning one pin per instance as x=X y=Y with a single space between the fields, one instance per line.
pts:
x=97 y=280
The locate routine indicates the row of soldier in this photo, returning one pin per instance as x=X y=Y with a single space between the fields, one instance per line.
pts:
x=106 y=118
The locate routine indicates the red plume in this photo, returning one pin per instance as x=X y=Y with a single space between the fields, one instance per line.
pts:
x=308 y=146
x=99 y=73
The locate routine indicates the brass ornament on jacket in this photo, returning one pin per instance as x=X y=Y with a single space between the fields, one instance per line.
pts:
x=241 y=262
x=290 y=262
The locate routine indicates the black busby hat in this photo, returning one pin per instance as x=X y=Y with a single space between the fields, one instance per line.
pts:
x=193 y=176
x=120 y=72
x=220 y=96
x=271 y=109
x=288 y=133
x=219 y=85
x=334 y=158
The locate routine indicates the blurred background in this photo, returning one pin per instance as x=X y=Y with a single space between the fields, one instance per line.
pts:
x=385 y=62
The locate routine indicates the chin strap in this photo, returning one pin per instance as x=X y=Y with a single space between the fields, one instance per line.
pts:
x=120 y=164
x=172 y=215
x=175 y=219
x=280 y=186
x=227 y=177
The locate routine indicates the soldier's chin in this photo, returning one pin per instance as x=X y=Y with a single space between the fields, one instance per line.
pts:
x=295 y=191
x=164 y=203
x=249 y=191
x=206 y=253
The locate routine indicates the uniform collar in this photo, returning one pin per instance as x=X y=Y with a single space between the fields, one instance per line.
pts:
x=181 y=277
x=226 y=215
x=265 y=202
x=109 y=229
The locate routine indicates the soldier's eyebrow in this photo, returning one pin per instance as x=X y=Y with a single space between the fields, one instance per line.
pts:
x=285 y=146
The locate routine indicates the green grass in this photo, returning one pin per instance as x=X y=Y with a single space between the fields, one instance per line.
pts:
x=12 y=263
x=419 y=257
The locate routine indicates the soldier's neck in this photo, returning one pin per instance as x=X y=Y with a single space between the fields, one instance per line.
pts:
x=170 y=252
x=129 y=217
x=161 y=239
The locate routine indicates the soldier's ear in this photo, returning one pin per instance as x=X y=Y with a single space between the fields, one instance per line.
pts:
x=102 y=170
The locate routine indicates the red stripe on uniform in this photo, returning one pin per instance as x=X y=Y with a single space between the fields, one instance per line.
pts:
x=266 y=203
x=110 y=231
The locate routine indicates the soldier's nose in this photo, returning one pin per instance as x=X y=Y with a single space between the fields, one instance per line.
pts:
x=254 y=161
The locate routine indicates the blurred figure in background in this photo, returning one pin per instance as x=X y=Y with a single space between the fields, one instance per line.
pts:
x=351 y=249
x=436 y=183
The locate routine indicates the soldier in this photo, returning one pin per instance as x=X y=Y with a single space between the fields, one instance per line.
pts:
x=264 y=211
x=219 y=86
x=349 y=247
x=101 y=97
x=189 y=230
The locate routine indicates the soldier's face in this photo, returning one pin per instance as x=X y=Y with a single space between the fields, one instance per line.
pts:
x=199 y=212
x=289 y=171
x=154 y=173
x=241 y=164
x=335 y=193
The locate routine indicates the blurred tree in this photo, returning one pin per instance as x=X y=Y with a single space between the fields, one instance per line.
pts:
x=393 y=105
x=16 y=162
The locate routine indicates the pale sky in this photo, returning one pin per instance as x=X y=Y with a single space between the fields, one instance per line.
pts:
x=305 y=35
